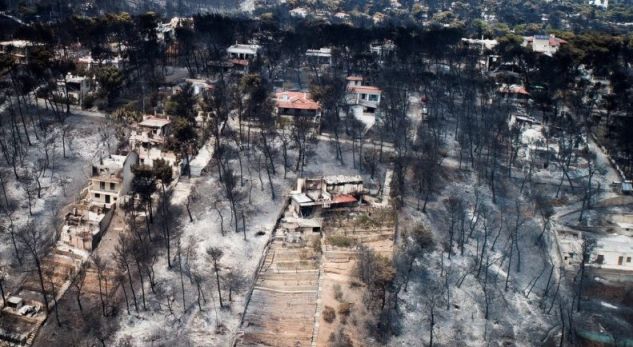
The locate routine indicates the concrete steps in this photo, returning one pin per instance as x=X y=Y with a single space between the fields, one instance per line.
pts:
x=282 y=306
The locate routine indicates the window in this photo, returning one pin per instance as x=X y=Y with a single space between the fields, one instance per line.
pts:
x=373 y=97
x=112 y=185
x=97 y=195
x=600 y=259
x=628 y=259
x=620 y=260
x=363 y=96
x=102 y=185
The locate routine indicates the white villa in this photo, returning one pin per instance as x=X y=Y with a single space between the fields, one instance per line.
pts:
x=546 y=44
x=321 y=56
x=359 y=94
x=243 y=51
x=152 y=130
x=613 y=253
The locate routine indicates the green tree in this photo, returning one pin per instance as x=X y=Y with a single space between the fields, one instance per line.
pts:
x=110 y=80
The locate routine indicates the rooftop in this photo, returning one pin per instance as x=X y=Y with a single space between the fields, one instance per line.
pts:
x=301 y=198
x=553 y=40
x=89 y=60
x=244 y=48
x=342 y=179
x=365 y=89
x=323 y=52
x=154 y=122
x=615 y=243
x=513 y=89
x=344 y=199
x=296 y=100
x=110 y=166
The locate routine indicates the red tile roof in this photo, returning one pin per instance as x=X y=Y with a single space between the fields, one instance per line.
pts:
x=343 y=199
x=514 y=89
x=554 y=41
x=365 y=89
x=242 y=62
x=296 y=100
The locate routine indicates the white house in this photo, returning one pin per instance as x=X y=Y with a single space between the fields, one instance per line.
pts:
x=382 y=48
x=88 y=62
x=321 y=56
x=296 y=104
x=148 y=139
x=604 y=4
x=613 y=253
x=243 y=51
x=167 y=31
x=153 y=130
x=19 y=50
x=359 y=94
x=148 y=156
x=545 y=44
x=78 y=88
x=299 y=12
x=200 y=85
x=111 y=179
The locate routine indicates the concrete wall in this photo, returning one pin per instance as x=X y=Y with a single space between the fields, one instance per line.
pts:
x=128 y=176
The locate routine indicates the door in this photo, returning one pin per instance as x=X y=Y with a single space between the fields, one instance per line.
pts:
x=107 y=198
x=620 y=260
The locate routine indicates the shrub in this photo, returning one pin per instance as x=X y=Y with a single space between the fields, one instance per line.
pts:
x=328 y=314
x=316 y=245
x=340 y=241
x=338 y=293
x=340 y=339
x=89 y=101
x=345 y=308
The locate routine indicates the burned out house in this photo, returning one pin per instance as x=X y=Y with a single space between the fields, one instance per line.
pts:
x=241 y=56
x=84 y=226
x=148 y=140
x=315 y=194
x=76 y=88
x=111 y=179
x=321 y=56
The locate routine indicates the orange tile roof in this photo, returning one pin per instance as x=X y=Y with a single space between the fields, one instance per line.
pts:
x=343 y=199
x=365 y=89
x=513 y=89
x=296 y=100
x=242 y=62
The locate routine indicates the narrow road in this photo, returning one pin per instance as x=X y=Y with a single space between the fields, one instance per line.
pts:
x=76 y=110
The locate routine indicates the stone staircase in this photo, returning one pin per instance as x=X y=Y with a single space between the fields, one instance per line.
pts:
x=282 y=308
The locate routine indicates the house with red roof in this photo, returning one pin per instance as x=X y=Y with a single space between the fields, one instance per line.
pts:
x=515 y=92
x=296 y=104
x=545 y=44
x=359 y=94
